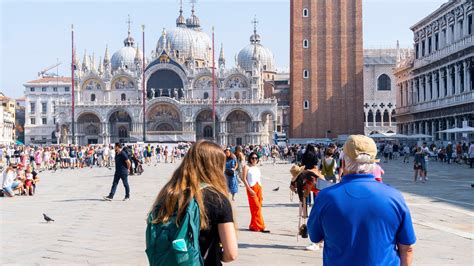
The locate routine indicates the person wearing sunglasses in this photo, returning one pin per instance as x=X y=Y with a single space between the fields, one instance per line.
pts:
x=252 y=178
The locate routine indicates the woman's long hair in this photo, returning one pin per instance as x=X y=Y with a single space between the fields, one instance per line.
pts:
x=203 y=163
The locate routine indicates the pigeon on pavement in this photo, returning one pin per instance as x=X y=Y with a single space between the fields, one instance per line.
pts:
x=47 y=219
x=276 y=189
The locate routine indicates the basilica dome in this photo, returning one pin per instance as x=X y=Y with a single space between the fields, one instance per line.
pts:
x=126 y=55
x=255 y=48
x=187 y=40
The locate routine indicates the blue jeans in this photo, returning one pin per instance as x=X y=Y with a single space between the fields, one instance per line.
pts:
x=115 y=183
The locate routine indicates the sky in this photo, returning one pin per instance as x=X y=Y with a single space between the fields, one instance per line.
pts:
x=37 y=34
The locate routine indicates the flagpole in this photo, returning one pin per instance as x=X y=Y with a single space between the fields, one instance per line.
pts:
x=143 y=84
x=213 y=91
x=72 y=87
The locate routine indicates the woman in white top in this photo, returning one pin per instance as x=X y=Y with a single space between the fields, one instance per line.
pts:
x=252 y=178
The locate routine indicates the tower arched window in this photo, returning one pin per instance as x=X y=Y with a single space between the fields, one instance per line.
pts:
x=92 y=97
x=123 y=97
x=305 y=43
x=306 y=105
x=305 y=12
x=384 y=83
x=305 y=73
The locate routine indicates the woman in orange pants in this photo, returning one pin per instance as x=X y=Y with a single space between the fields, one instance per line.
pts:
x=252 y=178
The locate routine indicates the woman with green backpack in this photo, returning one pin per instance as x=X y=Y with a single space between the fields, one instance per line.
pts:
x=191 y=221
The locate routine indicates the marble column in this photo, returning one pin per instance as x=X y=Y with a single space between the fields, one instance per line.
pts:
x=457 y=78
x=465 y=78
x=449 y=71
x=469 y=78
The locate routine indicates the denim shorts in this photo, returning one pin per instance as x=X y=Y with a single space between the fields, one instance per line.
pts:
x=10 y=189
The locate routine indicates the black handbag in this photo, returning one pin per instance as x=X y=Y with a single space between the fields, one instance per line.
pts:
x=229 y=172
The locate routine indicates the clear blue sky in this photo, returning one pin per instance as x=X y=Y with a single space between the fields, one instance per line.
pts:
x=34 y=34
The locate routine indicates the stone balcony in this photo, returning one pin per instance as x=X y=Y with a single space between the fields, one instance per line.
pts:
x=453 y=100
x=181 y=101
x=457 y=46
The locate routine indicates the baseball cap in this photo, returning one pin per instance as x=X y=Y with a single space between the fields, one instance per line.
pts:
x=360 y=144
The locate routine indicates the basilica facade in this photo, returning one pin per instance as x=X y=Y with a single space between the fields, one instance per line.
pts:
x=178 y=83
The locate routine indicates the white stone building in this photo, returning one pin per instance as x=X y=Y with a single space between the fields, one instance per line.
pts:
x=379 y=90
x=7 y=120
x=41 y=104
x=434 y=84
x=178 y=82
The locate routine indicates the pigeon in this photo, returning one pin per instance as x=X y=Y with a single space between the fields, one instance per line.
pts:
x=276 y=189
x=47 y=219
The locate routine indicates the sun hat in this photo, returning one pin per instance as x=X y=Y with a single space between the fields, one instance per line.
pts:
x=296 y=171
x=360 y=144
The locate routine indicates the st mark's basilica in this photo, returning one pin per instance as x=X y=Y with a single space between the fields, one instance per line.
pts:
x=178 y=82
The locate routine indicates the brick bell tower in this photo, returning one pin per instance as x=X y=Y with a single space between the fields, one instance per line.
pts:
x=326 y=68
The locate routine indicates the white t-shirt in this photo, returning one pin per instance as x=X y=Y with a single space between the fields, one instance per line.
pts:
x=254 y=176
x=8 y=178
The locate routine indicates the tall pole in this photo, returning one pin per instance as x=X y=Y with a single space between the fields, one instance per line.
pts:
x=72 y=87
x=213 y=90
x=143 y=83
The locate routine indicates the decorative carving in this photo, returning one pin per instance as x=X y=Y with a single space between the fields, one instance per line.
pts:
x=450 y=18
x=459 y=12
x=435 y=25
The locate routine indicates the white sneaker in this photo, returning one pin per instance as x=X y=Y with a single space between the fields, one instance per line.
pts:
x=313 y=247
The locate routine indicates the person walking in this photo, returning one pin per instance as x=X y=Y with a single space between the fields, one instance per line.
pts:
x=329 y=166
x=471 y=154
x=199 y=177
x=122 y=168
x=252 y=178
x=230 y=172
x=419 y=165
x=362 y=221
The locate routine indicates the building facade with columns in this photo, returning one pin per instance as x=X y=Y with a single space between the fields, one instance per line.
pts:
x=379 y=90
x=7 y=120
x=434 y=83
x=42 y=97
x=178 y=85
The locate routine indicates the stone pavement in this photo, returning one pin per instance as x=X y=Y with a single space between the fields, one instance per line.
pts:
x=89 y=230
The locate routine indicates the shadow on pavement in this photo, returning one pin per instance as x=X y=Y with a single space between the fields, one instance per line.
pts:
x=270 y=246
x=73 y=200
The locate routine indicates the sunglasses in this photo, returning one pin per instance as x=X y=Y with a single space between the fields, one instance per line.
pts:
x=254 y=158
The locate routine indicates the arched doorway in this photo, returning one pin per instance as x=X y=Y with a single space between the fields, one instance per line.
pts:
x=238 y=124
x=88 y=128
x=120 y=126
x=165 y=83
x=204 y=127
x=164 y=117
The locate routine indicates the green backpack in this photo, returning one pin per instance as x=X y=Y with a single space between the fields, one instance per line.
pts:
x=167 y=244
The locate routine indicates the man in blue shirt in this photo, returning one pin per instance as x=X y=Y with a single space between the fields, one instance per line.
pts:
x=362 y=221
x=122 y=168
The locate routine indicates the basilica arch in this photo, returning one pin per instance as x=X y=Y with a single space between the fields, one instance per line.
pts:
x=239 y=128
x=120 y=124
x=88 y=129
x=163 y=116
x=204 y=124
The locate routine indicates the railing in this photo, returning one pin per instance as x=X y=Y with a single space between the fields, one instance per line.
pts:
x=457 y=99
x=450 y=49
x=183 y=101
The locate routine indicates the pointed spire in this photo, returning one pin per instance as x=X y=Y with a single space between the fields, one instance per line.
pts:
x=221 y=56
x=92 y=62
x=100 y=68
x=85 y=62
x=138 y=58
x=163 y=39
x=106 y=56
